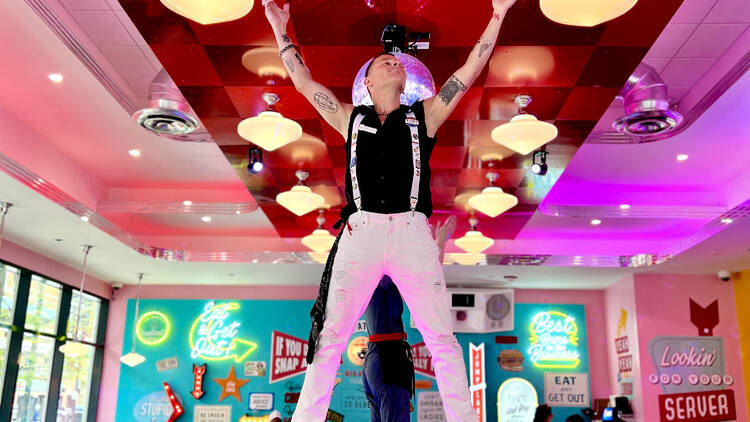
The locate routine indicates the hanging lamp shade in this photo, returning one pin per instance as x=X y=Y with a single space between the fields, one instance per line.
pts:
x=467 y=258
x=320 y=241
x=134 y=358
x=319 y=257
x=493 y=201
x=73 y=347
x=584 y=12
x=474 y=242
x=269 y=129
x=206 y=12
x=300 y=199
x=524 y=133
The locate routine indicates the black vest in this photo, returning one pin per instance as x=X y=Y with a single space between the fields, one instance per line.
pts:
x=384 y=162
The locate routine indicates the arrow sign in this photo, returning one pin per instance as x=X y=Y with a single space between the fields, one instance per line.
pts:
x=214 y=335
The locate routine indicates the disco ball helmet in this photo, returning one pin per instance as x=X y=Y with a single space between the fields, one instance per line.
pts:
x=419 y=83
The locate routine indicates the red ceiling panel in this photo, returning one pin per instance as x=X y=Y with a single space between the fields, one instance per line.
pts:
x=187 y=64
x=587 y=103
x=520 y=66
x=572 y=73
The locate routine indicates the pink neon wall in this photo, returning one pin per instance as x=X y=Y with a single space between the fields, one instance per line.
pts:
x=593 y=300
x=621 y=296
x=662 y=303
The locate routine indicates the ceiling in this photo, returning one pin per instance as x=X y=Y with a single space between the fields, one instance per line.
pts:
x=77 y=144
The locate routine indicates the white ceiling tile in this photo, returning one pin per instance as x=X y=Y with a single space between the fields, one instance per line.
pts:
x=685 y=71
x=114 y=5
x=711 y=40
x=85 y=4
x=729 y=11
x=128 y=60
x=130 y=27
x=155 y=63
x=139 y=83
x=102 y=27
x=671 y=39
x=692 y=11
x=657 y=63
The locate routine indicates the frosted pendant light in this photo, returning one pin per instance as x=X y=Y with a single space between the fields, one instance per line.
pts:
x=133 y=358
x=320 y=240
x=584 y=12
x=73 y=346
x=474 y=242
x=300 y=199
x=493 y=201
x=524 y=133
x=269 y=129
x=207 y=12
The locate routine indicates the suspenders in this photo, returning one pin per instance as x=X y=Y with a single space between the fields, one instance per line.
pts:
x=412 y=122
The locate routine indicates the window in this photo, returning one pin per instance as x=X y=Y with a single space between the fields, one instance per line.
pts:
x=75 y=387
x=8 y=287
x=41 y=384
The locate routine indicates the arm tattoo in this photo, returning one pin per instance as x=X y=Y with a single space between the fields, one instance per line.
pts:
x=290 y=64
x=483 y=48
x=325 y=103
x=450 y=89
x=299 y=59
x=286 y=39
x=496 y=16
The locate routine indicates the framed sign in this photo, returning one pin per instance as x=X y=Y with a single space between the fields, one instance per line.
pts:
x=516 y=401
x=212 y=414
x=566 y=389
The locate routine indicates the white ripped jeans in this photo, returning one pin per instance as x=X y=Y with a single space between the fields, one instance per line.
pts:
x=401 y=246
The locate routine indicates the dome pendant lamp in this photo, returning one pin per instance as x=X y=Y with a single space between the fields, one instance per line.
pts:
x=320 y=241
x=584 y=12
x=300 y=199
x=269 y=129
x=524 y=133
x=493 y=201
x=474 y=242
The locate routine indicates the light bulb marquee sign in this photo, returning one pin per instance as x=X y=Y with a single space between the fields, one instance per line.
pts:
x=554 y=341
x=214 y=335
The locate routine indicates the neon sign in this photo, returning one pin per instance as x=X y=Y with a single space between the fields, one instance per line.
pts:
x=152 y=328
x=213 y=337
x=554 y=338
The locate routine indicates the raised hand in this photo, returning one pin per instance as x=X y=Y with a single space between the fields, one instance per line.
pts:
x=277 y=16
x=444 y=231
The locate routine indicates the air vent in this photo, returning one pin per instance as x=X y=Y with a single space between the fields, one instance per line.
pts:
x=168 y=113
x=646 y=104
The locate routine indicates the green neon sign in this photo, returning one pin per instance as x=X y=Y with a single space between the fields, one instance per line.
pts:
x=214 y=335
x=152 y=328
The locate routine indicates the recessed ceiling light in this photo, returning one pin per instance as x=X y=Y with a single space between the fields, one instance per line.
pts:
x=85 y=219
x=682 y=157
x=206 y=219
x=726 y=220
x=187 y=203
x=134 y=152
x=596 y=222
x=255 y=261
x=237 y=212
x=55 y=77
x=624 y=206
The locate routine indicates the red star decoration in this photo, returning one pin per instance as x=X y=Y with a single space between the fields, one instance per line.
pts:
x=230 y=386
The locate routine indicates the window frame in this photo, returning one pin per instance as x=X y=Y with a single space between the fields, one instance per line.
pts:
x=18 y=330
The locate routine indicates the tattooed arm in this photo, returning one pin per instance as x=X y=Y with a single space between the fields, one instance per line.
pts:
x=334 y=112
x=439 y=107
